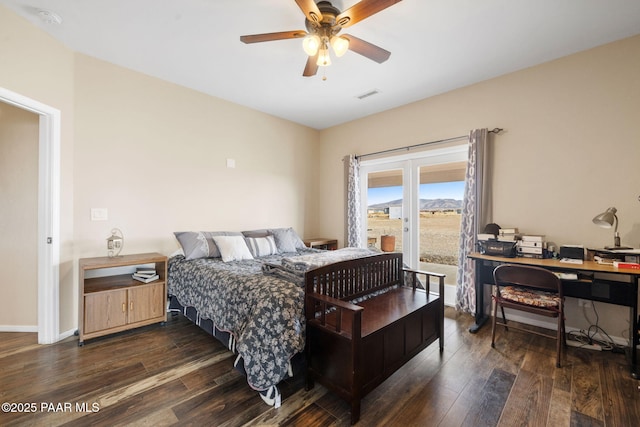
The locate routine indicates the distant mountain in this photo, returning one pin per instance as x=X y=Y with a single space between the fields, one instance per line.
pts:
x=425 y=204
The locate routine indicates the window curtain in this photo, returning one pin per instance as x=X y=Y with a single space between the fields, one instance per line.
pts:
x=474 y=215
x=353 y=220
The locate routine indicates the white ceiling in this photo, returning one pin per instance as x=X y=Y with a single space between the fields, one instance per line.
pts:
x=436 y=46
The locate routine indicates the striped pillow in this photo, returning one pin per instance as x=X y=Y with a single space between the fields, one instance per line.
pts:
x=262 y=246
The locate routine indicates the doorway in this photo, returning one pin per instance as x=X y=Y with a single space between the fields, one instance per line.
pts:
x=416 y=200
x=19 y=218
x=48 y=233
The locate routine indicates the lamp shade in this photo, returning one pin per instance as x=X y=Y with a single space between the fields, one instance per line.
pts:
x=323 y=58
x=607 y=218
x=340 y=45
x=311 y=44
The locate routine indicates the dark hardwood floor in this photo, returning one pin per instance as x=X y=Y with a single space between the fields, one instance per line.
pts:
x=178 y=375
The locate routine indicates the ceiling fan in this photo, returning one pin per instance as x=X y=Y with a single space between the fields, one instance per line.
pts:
x=324 y=22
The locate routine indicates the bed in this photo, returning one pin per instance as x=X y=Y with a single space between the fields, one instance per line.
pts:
x=246 y=300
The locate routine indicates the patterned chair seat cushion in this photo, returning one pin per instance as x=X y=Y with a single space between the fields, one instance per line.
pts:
x=530 y=296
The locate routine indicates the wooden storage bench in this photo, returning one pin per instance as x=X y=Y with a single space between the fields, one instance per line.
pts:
x=352 y=346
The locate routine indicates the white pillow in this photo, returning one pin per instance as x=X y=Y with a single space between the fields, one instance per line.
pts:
x=262 y=246
x=232 y=248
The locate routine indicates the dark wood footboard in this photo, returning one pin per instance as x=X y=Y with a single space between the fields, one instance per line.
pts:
x=353 y=347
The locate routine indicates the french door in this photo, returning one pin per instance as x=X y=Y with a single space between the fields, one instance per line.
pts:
x=412 y=204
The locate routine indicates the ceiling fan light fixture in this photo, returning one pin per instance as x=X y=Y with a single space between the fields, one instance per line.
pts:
x=340 y=45
x=323 y=23
x=324 y=59
x=311 y=44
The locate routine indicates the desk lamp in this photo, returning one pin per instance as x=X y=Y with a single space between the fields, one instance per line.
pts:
x=607 y=219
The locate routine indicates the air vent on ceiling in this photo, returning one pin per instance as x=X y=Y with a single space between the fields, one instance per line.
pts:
x=368 y=94
x=49 y=17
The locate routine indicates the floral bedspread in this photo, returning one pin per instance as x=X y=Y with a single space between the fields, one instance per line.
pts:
x=293 y=268
x=264 y=313
x=304 y=263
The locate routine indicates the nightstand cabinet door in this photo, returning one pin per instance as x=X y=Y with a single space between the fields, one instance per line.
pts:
x=147 y=302
x=105 y=310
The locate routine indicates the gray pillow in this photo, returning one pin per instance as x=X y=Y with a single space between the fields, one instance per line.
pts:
x=287 y=240
x=200 y=244
x=263 y=232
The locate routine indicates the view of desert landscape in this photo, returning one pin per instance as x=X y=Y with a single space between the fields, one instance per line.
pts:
x=439 y=234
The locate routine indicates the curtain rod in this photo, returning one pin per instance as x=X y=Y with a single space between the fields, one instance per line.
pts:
x=409 y=147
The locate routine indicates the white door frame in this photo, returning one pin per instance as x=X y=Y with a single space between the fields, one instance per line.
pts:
x=367 y=167
x=48 y=213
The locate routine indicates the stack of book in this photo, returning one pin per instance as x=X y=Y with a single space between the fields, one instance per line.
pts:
x=531 y=246
x=145 y=275
x=508 y=235
x=486 y=236
x=632 y=265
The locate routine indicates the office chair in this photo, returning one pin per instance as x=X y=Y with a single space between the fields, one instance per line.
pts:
x=531 y=289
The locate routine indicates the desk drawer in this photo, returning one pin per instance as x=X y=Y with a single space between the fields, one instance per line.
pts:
x=619 y=293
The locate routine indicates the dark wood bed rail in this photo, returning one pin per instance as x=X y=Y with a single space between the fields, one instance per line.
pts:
x=348 y=280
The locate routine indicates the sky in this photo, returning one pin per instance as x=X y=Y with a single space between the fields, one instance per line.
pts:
x=441 y=190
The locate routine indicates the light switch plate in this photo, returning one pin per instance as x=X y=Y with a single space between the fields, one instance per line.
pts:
x=99 y=214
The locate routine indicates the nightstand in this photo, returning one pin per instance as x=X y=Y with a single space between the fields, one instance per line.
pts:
x=115 y=302
x=321 y=243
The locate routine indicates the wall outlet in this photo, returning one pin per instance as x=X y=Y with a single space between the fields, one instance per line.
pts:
x=584 y=303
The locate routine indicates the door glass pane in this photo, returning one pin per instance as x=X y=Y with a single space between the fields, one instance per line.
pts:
x=384 y=210
x=441 y=193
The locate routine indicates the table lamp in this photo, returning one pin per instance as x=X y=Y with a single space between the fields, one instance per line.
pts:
x=608 y=219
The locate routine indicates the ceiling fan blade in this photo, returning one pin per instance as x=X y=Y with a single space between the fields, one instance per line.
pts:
x=267 y=37
x=310 y=10
x=367 y=49
x=312 y=66
x=363 y=10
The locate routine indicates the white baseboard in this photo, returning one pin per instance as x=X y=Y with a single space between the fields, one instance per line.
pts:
x=450 y=295
x=18 y=328
x=26 y=328
x=66 y=334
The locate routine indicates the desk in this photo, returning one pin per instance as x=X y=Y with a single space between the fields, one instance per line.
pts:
x=596 y=282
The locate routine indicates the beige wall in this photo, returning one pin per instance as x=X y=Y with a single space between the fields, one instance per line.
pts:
x=19 y=213
x=154 y=154
x=570 y=149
